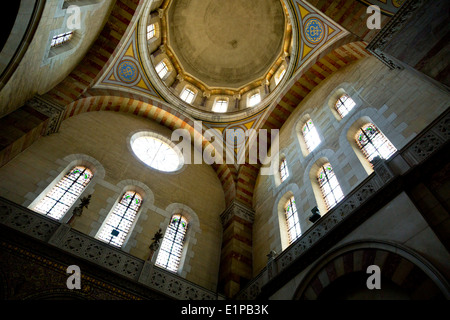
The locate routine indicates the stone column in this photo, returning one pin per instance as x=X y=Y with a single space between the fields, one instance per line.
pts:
x=236 y=258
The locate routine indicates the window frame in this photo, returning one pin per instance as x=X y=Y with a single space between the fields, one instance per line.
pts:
x=57 y=186
x=116 y=211
x=220 y=101
x=325 y=193
x=341 y=104
x=191 y=93
x=311 y=135
x=66 y=37
x=152 y=32
x=160 y=261
x=292 y=216
x=283 y=170
x=250 y=98
x=165 y=67
x=370 y=141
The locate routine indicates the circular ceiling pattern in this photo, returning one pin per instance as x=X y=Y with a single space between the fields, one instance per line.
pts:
x=226 y=43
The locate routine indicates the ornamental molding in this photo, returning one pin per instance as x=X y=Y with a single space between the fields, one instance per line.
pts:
x=236 y=209
x=395 y=24
x=50 y=109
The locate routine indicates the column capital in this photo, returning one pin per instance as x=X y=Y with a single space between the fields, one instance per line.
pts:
x=237 y=209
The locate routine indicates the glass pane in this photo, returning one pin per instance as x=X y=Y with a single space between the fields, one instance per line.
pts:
x=310 y=135
x=120 y=219
x=169 y=255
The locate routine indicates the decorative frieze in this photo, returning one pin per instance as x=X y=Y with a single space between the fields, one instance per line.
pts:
x=62 y=236
x=236 y=209
x=395 y=24
x=52 y=110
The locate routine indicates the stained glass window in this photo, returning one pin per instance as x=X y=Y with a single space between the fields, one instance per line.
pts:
x=162 y=69
x=156 y=153
x=254 y=100
x=58 y=201
x=284 y=172
x=311 y=136
x=221 y=105
x=61 y=39
x=344 y=105
x=374 y=143
x=169 y=255
x=293 y=224
x=151 y=31
x=329 y=185
x=187 y=95
x=119 y=221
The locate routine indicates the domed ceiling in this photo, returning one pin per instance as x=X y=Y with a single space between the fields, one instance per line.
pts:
x=226 y=44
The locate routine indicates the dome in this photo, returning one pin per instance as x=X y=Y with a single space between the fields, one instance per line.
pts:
x=226 y=44
x=219 y=60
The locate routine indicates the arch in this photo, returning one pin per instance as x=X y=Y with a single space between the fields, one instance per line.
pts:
x=70 y=162
x=190 y=239
x=313 y=170
x=24 y=27
x=351 y=133
x=151 y=108
x=278 y=215
x=398 y=263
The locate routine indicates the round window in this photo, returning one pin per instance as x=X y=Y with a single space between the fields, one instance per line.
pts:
x=156 y=152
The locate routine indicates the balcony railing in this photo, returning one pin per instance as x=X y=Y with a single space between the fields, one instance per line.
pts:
x=430 y=140
x=114 y=259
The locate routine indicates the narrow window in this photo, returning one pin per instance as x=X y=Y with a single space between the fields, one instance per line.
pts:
x=279 y=76
x=284 y=172
x=344 y=105
x=161 y=69
x=254 y=100
x=187 y=95
x=329 y=185
x=60 y=39
x=310 y=135
x=169 y=255
x=58 y=201
x=151 y=31
x=221 y=105
x=374 y=143
x=119 y=221
x=293 y=224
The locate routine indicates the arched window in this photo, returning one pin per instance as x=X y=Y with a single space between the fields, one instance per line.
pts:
x=374 y=143
x=221 y=105
x=284 y=172
x=118 y=223
x=329 y=185
x=63 y=195
x=151 y=31
x=169 y=255
x=344 y=105
x=187 y=95
x=293 y=224
x=310 y=135
x=60 y=39
x=254 y=99
x=162 y=69
x=279 y=75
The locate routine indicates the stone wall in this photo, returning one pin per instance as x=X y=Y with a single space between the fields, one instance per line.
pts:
x=37 y=72
x=103 y=139
x=398 y=102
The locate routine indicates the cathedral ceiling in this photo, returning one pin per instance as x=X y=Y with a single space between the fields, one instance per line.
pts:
x=116 y=74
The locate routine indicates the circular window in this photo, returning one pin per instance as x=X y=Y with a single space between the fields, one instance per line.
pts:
x=156 y=152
